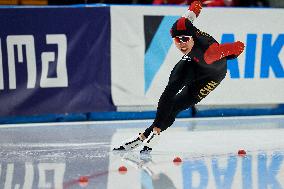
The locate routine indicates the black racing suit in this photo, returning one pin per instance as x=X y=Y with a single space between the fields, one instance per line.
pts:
x=191 y=80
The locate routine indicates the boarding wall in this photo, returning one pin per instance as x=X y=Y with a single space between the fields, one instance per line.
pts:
x=143 y=46
x=81 y=59
x=54 y=60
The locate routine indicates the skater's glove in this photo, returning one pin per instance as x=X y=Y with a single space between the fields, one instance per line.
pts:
x=193 y=11
x=195 y=7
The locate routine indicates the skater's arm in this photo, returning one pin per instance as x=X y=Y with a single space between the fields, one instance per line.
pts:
x=193 y=11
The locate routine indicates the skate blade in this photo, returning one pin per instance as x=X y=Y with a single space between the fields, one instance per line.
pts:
x=121 y=148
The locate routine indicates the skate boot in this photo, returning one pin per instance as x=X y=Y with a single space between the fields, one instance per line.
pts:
x=150 y=141
x=130 y=144
x=217 y=51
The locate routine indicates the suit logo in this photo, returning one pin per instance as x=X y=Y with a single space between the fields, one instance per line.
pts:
x=187 y=58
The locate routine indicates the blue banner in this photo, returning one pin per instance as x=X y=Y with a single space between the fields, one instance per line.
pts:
x=54 y=60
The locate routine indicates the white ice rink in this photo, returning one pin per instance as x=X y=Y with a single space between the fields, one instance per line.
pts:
x=57 y=155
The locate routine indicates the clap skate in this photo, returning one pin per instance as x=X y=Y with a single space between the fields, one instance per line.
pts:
x=150 y=141
x=130 y=144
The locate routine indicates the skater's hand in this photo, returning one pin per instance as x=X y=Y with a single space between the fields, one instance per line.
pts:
x=240 y=46
x=195 y=7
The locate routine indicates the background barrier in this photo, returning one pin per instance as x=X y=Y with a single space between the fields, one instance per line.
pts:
x=113 y=62
x=54 y=61
x=149 y=54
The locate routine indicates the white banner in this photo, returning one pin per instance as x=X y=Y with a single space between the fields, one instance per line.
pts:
x=142 y=53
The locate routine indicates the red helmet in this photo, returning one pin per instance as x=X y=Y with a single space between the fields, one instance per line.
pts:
x=183 y=27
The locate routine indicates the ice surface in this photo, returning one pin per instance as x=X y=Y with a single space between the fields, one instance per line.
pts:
x=41 y=156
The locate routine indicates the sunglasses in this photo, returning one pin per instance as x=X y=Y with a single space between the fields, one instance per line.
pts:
x=182 y=39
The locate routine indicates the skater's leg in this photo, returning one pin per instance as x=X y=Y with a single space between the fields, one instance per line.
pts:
x=176 y=82
x=165 y=107
x=188 y=97
x=166 y=103
x=181 y=101
x=182 y=75
x=184 y=100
